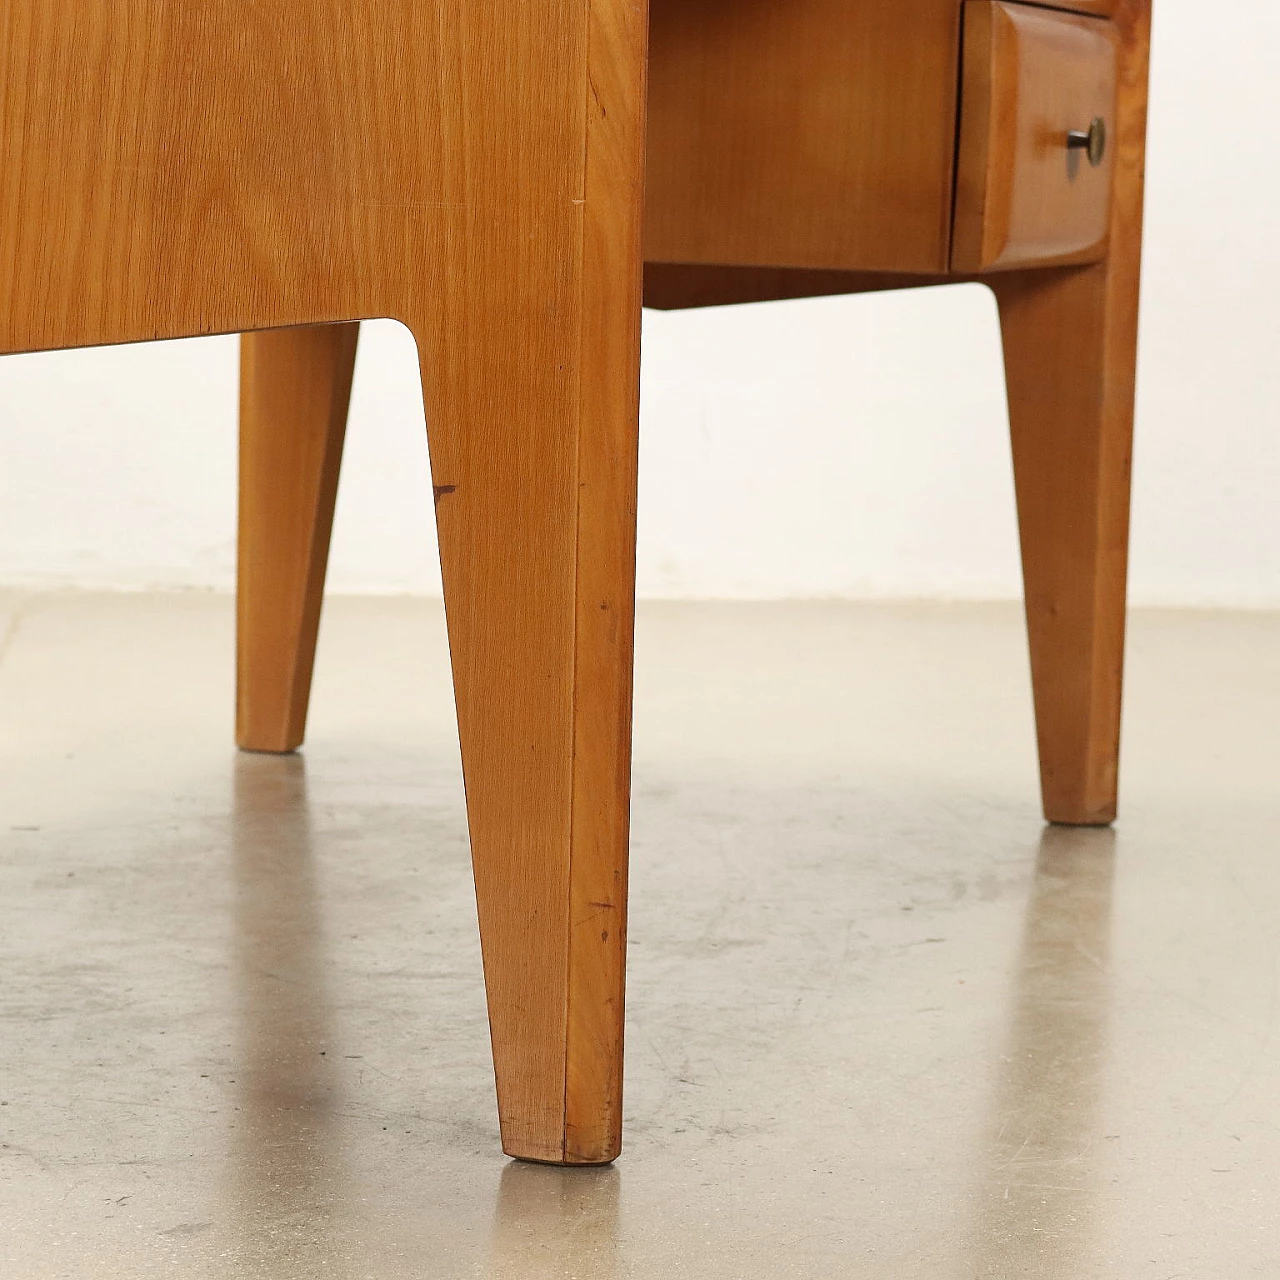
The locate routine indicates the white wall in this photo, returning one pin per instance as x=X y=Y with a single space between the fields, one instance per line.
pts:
x=849 y=446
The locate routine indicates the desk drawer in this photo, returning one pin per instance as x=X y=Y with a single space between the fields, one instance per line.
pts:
x=1026 y=192
x=802 y=133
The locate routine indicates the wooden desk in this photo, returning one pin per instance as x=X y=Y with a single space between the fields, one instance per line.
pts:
x=476 y=171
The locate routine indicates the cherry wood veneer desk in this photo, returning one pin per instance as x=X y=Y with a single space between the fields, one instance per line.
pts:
x=286 y=168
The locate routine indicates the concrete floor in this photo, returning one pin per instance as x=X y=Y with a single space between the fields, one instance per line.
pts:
x=881 y=1022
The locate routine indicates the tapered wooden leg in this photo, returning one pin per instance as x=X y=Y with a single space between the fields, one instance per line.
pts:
x=1070 y=409
x=536 y=521
x=1070 y=340
x=530 y=358
x=295 y=385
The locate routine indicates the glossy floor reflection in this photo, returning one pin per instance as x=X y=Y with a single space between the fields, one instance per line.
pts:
x=286 y=1160
x=1041 y=1192
x=881 y=1021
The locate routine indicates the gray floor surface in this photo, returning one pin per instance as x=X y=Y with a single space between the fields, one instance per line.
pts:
x=881 y=1022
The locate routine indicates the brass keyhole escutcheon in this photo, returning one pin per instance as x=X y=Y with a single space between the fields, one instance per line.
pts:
x=1093 y=143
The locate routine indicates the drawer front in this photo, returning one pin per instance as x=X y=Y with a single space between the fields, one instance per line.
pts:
x=802 y=133
x=1024 y=194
